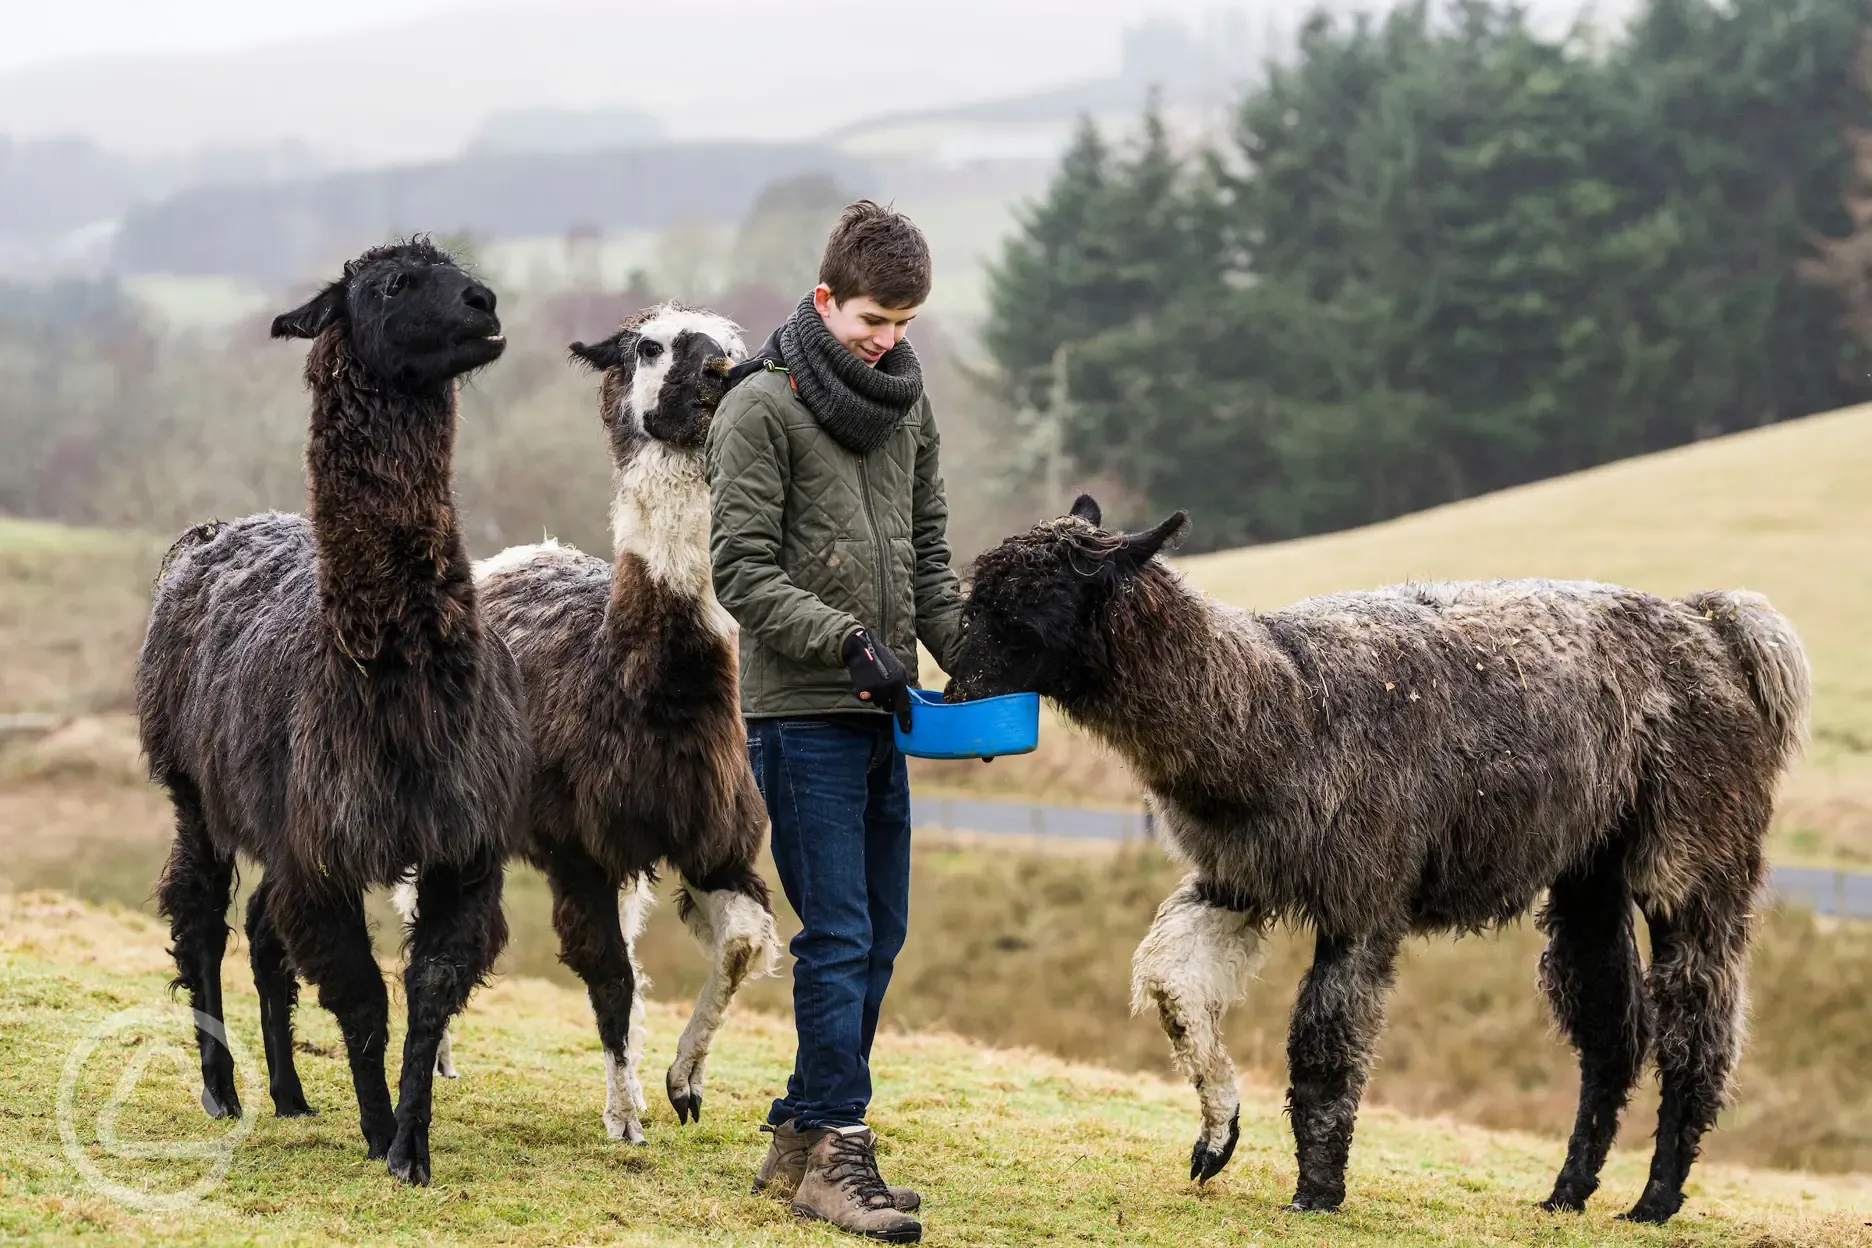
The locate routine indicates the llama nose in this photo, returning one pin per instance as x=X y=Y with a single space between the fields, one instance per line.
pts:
x=480 y=298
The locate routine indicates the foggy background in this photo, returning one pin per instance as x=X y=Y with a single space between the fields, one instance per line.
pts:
x=170 y=175
x=1295 y=278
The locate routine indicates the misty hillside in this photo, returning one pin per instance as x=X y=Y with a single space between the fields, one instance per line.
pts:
x=258 y=164
x=743 y=69
x=274 y=235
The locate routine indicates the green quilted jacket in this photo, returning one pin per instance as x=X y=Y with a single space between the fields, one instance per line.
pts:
x=809 y=540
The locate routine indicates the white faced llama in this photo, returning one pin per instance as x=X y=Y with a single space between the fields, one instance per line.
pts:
x=1420 y=759
x=633 y=697
x=319 y=694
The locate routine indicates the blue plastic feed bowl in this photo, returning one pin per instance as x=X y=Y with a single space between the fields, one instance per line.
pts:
x=990 y=728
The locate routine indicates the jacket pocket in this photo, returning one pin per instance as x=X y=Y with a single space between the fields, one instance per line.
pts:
x=844 y=578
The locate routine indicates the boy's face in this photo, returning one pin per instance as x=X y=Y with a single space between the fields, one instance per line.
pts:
x=862 y=325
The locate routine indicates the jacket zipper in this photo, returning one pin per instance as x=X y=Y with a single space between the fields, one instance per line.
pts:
x=877 y=548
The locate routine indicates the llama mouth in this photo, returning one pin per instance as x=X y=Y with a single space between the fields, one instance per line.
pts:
x=499 y=340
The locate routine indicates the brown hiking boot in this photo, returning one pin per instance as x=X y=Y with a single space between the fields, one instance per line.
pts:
x=842 y=1187
x=786 y=1163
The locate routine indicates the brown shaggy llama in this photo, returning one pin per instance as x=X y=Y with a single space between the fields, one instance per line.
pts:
x=1424 y=758
x=634 y=703
x=318 y=693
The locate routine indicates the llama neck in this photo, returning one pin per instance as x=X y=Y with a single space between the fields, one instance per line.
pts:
x=660 y=531
x=392 y=572
x=1188 y=683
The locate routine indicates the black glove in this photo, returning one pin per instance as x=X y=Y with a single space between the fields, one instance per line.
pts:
x=877 y=675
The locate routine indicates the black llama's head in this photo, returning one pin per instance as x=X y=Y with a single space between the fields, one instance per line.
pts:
x=409 y=313
x=1038 y=605
x=664 y=375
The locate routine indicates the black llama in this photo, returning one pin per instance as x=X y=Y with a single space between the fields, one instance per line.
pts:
x=319 y=693
x=1424 y=758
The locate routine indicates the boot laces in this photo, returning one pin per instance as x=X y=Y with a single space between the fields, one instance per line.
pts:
x=854 y=1164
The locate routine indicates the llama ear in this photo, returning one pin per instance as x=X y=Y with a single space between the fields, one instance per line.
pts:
x=617 y=351
x=312 y=318
x=1138 y=549
x=1086 y=508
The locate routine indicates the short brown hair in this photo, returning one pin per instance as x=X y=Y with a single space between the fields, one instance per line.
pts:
x=879 y=252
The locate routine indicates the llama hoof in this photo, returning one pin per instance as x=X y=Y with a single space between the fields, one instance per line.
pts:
x=379 y=1139
x=1568 y=1197
x=1655 y=1207
x=446 y=1070
x=625 y=1130
x=1206 y=1159
x=293 y=1105
x=224 y=1105
x=685 y=1092
x=409 y=1157
x=1314 y=1202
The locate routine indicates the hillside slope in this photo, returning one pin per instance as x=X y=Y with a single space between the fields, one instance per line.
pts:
x=1786 y=510
x=1007 y=1147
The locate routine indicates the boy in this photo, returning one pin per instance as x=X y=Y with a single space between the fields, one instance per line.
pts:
x=830 y=550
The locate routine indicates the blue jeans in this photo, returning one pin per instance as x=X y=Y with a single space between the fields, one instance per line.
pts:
x=838 y=793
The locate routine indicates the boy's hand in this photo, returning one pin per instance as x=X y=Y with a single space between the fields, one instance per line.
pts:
x=877 y=675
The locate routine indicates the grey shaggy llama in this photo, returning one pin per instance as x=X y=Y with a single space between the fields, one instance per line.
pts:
x=633 y=700
x=1424 y=758
x=319 y=694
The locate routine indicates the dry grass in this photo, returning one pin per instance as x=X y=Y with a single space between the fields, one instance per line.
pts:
x=72 y=605
x=1031 y=945
x=1007 y=1146
x=1033 y=949
x=1784 y=510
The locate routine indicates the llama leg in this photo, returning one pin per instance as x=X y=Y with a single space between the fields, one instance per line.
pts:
x=328 y=940
x=626 y=1087
x=1593 y=980
x=196 y=887
x=279 y=993
x=1698 y=983
x=1193 y=964
x=459 y=932
x=1336 y=1022
x=403 y=899
x=735 y=925
x=590 y=922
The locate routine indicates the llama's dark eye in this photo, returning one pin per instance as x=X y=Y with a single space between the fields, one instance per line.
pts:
x=395 y=285
x=649 y=348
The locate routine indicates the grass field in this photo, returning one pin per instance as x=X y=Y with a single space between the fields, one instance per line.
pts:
x=1008 y=1147
x=1017 y=949
x=72 y=605
x=1022 y=948
x=1784 y=510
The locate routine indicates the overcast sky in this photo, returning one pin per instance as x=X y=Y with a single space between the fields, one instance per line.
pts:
x=373 y=80
x=47 y=30
x=166 y=76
